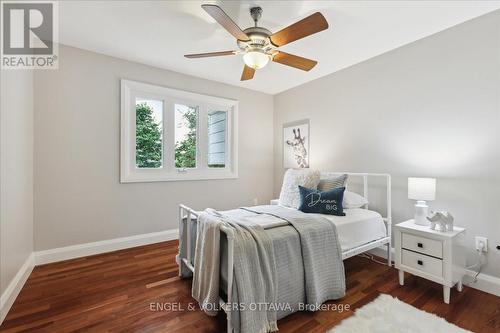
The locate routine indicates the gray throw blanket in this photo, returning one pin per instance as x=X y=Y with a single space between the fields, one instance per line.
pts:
x=254 y=271
x=254 y=262
x=321 y=253
x=205 y=288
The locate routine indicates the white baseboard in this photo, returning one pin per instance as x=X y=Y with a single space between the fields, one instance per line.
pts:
x=88 y=249
x=487 y=283
x=10 y=294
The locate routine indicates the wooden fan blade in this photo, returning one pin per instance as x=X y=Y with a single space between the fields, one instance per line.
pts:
x=303 y=28
x=248 y=73
x=294 y=61
x=210 y=54
x=223 y=19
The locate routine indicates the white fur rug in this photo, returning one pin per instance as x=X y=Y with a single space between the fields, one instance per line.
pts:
x=388 y=314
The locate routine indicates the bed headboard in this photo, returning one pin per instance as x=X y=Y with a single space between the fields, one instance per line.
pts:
x=365 y=177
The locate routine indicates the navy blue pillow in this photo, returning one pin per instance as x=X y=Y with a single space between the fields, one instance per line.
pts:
x=327 y=202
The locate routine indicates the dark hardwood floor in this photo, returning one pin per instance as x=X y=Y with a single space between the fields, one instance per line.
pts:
x=117 y=292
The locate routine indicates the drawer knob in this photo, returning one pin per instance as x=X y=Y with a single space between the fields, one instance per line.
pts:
x=420 y=245
x=420 y=262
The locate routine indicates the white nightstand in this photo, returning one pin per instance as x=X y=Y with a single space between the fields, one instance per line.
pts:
x=434 y=255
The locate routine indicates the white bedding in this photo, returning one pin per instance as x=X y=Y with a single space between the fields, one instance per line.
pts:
x=358 y=227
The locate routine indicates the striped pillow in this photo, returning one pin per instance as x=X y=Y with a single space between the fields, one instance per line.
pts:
x=329 y=183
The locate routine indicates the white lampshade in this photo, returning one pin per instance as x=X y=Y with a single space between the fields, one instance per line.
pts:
x=421 y=188
x=255 y=59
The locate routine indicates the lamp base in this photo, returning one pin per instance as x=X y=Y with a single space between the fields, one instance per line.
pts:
x=421 y=210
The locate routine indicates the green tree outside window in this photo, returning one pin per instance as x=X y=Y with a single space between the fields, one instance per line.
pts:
x=185 y=150
x=148 y=138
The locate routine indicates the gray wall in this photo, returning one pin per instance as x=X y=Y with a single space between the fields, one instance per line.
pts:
x=78 y=196
x=430 y=108
x=16 y=172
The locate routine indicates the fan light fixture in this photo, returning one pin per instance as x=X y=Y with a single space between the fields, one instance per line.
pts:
x=258 y=45
x=256 y=59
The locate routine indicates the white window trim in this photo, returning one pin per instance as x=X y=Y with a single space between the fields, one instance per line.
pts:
x=128 y=171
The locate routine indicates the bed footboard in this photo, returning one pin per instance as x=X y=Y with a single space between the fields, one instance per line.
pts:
x=187 y=216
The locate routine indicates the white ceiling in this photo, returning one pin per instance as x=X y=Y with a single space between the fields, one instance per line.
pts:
x=159 y=33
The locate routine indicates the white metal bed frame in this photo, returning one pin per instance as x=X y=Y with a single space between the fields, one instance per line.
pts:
x=187 y=214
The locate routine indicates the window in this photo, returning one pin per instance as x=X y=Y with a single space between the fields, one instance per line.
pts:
x=148 y=133
x=217 y=139
x=186 y=124
x=169 y=135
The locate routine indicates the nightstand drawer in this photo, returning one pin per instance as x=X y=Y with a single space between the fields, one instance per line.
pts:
x=423 y=245
x=422 y=263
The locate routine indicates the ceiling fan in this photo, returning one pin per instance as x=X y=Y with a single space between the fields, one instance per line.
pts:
x=259 y=45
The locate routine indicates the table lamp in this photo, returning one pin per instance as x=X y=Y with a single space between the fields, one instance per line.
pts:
x=422 y=190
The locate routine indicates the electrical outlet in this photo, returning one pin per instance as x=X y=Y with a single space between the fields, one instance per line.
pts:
x=483 y=240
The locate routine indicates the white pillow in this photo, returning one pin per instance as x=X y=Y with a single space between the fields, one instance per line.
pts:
x=289 y=195
x=353 y=200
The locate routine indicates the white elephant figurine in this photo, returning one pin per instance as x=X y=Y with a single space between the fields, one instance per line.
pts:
x=442 y=220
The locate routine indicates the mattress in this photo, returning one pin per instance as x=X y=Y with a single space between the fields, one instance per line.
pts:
x=359 y=226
